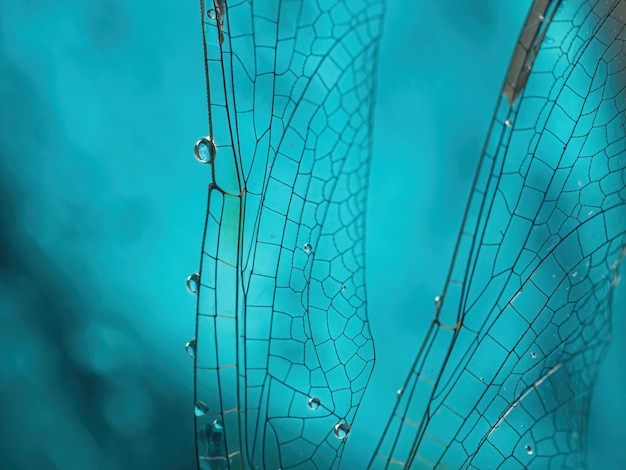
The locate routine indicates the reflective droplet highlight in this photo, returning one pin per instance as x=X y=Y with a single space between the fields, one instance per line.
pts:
x=529 y=449
x=190 y=348
x=193 y=283
x=341 y=430
x=314 y=403
x=343 y=288
x=200 y=408
x=205 y=150
x=438 y=301
x=533 y=354
x=508 y=123
x=211 y=14
x=307 y=248
x=217 y=425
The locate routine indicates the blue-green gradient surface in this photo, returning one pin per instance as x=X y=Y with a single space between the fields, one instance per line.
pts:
x=102 y=219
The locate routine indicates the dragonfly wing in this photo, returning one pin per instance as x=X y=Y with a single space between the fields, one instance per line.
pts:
x=284 y=351
x=505 y=373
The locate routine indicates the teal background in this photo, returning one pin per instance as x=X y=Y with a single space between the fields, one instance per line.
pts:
x=103 y=205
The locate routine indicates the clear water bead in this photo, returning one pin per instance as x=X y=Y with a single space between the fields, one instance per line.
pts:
x=307 y=248
x=529 y=449
x=533 y=354
x=193 y=283
x=314 y=403
x=190 y=348
x=438 y=301
x=217 y=425
x=211 y=14
x=508 y=123
x=343 y=288
x=205 y=150
x=341 y=430
x=200 y=408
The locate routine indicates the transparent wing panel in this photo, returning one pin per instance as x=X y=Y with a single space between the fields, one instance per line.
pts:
x=504 y=377
x=283 y=351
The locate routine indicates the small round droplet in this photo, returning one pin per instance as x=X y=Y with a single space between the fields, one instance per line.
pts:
x=307 y=248
x=200 y=408
x=343 y=288
x=211 y=14
x=399 y=392
x=314 y=403
x=529 y=450
x=341 y=430
x=438 y=301
x=541 y=17
x=193 y=283
x=533 y=354
x=508 y=123
x=190 y=348
x=217 y=425
x=205 y=150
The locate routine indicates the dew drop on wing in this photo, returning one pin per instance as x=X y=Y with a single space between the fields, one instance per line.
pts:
x=314 y=403
x=190 y=348
x=200 y=408
x=205 y=150
x=307 y=248
x=341 y=430
x=217 y=425
x=193 y=283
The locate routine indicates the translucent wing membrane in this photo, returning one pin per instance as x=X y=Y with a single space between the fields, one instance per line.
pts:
x=283 y=350
x=504 y=376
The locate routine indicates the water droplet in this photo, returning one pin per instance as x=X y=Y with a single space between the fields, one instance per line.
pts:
x=217 y=425
x=314 y=403
x=341 y=430
x=508 y=123
x=541 y=17
x=200 y=409
x=211 y=14
x=343 y=288
x=399 y=392
x=438 y=301
x=533 y=354
x=307 y=248
x=190 y=348
x=529 y=450
x=193 y=283
x=205 y=150
x=575 y=273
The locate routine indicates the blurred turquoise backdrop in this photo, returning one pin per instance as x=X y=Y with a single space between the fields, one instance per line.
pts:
x=102 y=214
